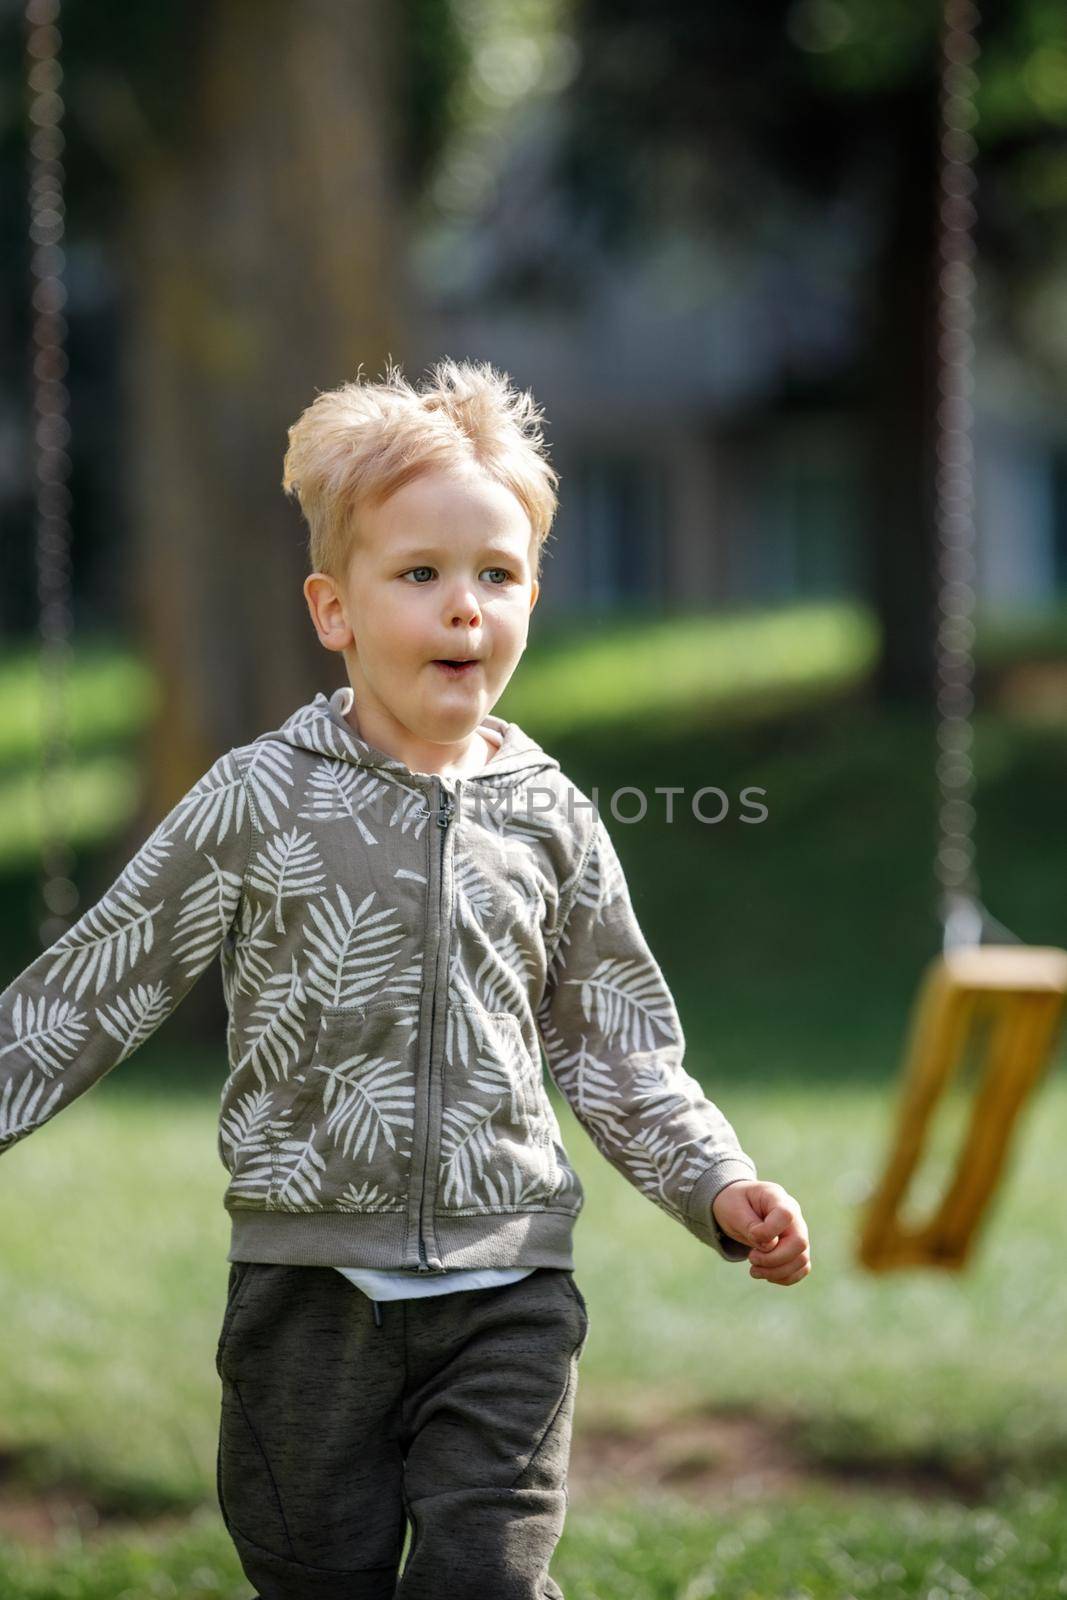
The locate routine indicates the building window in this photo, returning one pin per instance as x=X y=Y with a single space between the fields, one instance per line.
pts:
x=619 y=509
x=805 y=532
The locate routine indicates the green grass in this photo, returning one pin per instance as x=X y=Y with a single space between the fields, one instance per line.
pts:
x=629 y=667
x=878 y=1548
x=106 y=695
x=113 y=1281
x=793 y=948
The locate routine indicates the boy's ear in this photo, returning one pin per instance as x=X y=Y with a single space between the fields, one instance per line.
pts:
x=535 y=590
x=327 y=613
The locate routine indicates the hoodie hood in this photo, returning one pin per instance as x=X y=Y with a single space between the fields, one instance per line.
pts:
x=321 y=726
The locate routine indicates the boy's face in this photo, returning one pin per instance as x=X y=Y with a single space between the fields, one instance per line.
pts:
x=441 y=570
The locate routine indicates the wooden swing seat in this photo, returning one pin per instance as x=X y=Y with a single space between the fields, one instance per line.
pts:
x=1015 y=995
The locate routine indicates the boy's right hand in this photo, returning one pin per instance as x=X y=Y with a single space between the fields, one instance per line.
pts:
x=763 y=1215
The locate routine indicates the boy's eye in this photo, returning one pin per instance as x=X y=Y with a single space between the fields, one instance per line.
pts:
x=505 y=575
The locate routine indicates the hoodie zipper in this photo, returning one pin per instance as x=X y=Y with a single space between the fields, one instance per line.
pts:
x=443 y=814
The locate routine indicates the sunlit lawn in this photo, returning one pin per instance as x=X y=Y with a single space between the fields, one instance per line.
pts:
x=113 y=1279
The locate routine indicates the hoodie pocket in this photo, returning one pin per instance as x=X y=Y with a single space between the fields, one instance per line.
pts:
x=353 y=1118
x=496 y=1145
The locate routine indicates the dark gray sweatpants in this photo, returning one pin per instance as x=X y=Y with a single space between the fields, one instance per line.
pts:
x=344 y=1418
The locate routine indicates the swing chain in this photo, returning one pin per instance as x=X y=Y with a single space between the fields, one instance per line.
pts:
x=51 y=399
x=960 y=908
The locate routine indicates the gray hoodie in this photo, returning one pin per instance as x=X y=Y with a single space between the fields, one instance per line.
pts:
x=396 y=950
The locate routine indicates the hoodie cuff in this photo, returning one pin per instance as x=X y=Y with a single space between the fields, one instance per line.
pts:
x=699 y=1219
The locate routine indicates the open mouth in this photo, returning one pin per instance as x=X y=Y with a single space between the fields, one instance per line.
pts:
x=456 y=669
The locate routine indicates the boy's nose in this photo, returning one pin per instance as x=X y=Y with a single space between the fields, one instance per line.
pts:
x=462 y=604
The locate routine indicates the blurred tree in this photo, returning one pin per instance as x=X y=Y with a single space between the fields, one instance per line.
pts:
x=733 y=113
x=250 y=168
x=248 y=165
x=263 y=255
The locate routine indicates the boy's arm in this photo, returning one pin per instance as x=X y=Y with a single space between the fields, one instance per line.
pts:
x=615 y=1047
x=96 y=994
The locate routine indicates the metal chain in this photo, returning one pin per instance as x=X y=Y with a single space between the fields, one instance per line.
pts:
x=960 y=906
x=51 y=399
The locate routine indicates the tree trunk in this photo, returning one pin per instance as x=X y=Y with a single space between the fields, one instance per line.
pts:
x=262 y=258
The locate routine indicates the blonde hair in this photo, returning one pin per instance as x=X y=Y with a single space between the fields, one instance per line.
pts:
x=356 y=445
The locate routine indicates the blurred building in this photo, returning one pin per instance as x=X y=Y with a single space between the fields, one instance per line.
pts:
x=696 y=399
x=690 y=399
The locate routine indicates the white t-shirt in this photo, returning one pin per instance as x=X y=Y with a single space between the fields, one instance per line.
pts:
x=412 y=1285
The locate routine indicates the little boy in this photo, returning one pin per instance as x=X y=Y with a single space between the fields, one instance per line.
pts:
x=409 y=901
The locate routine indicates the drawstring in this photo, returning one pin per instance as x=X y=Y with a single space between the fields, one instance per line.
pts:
x=377 y=1313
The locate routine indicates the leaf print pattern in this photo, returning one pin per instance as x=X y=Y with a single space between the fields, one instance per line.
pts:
x=614 y=1047
x=276 y=1031
x=273 y=1167
x=288 y=867
x=367 y=1197
x=268 y=774
x=467 y=1144
x=367 y=1098
x=94 y=995
x=588 y=1084
x=340 y=793
x=242 y=1135
x=148 y=863
x=299 y=1170
x=406 y=983
x=47 y=1032
x=312 y=729
x=208 y=908
x=502 y=978
x=408 y=872
x=596 y=887
x=495 y=1138
x=215 y=805
x=514 y=1190
x=523 y=821
x=474 y=898
x=350 y=952
x=134 y=1016
x=22 y=1107
x=476 y=1039
x=410 y=814
x=112 y=934
x=252 y=941
x=658 y=1167
x=627 y=1001
x=531 y=900
x=461 y=1041
x=503 y=1080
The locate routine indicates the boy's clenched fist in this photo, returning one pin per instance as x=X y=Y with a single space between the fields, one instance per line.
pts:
x=766 y=1217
